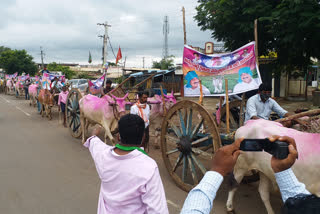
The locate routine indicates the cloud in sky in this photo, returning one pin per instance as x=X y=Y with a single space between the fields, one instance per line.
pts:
x=67 y=30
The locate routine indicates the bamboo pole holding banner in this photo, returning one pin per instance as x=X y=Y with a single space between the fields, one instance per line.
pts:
x=164 y=102
x=201 y=94
x=227 y=106
x=256 y=41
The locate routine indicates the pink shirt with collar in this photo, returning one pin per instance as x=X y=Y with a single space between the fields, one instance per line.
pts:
x=130 y=183
x=63 y=97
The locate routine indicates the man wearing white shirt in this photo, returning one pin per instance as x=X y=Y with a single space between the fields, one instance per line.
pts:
x=142 y=109
x=200 y=199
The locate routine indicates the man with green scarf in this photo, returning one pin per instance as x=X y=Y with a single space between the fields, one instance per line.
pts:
x=130 y=179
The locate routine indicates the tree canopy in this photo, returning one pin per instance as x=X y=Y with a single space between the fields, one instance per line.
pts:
x=291 y=28
x=165 y=63
x=64 y=69
x=16 y=61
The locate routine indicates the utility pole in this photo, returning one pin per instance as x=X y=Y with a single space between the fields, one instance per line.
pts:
x=105 y=40
x=184 y=25
x=165 y=33
x=41 y=52
x=124 y=66
x=143 y=61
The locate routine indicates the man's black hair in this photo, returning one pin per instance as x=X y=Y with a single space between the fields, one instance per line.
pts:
x=141 y=93
x=131 y=129
x=306 y=204
x=264 y=87
x=109 y=81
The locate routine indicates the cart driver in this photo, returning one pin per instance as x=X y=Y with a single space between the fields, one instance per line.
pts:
x=108 y=87
x=261 y=105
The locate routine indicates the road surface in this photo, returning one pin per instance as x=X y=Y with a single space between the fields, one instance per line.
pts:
x=44 y=170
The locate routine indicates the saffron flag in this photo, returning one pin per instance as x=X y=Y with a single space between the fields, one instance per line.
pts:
x=119 y=55
x=239 y=67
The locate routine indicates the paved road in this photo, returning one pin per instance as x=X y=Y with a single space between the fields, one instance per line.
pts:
x=44 y=170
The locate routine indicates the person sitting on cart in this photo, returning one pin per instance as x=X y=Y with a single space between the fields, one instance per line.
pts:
x=107 y=88
x=63 y=95
x=142 y=109
x=261 y=105
x=130 y=179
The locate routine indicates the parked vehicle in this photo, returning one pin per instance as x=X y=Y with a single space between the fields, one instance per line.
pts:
x=81 y=84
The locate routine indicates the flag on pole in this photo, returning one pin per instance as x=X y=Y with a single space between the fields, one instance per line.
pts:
x=90 y=58
x=119 y=55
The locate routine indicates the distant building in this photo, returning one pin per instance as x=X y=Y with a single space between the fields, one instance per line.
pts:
x=210 y=48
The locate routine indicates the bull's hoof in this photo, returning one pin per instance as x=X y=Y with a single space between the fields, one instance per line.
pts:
x=29 y=104
x=230 y=209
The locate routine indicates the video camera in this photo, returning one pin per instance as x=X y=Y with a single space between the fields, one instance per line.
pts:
x=277 y=149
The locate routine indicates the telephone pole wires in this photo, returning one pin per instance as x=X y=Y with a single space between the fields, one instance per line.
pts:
x=105 y=42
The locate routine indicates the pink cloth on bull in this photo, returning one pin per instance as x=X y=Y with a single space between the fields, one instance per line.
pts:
x=308 y=144
x=33 y=89
x=63 y=97
x=129 y=183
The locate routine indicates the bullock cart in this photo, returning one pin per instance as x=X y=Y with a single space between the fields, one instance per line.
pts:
x=190 y=136
x=73 y=109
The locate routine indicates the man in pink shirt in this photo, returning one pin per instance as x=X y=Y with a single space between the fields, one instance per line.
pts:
x=62 y=100
x=130 y=179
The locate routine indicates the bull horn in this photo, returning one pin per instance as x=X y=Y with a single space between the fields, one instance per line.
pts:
x=172 y=92
x=114 y=97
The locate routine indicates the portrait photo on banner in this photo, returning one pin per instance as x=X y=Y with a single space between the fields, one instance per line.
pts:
x=239 y=67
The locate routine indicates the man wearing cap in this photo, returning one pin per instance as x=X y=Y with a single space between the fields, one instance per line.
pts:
x=192 y=88
x=245 y=81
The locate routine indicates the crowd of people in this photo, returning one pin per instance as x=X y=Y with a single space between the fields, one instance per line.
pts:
x=130 y=178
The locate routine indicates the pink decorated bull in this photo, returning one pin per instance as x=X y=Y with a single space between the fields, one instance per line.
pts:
x=306 y=167
x=104 y=111
x=33 y=88
x=9 y=85
x=19 y=88
x=157 y=114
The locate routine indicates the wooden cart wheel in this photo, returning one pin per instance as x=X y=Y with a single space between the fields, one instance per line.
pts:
x=236 y=115
x=73 y=112
x=189 y=137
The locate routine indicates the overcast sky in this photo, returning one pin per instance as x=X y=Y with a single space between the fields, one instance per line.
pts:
x=67 y=30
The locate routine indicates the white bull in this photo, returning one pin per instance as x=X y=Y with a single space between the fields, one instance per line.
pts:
x=306 y=167
x=102 y=111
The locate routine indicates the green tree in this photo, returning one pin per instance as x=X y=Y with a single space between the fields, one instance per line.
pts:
x=289 y=27
x=165 y=63
x=3 y=48
x=17 y=61
x=64 y=69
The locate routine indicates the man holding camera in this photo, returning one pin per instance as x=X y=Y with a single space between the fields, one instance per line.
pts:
x=294 y=194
